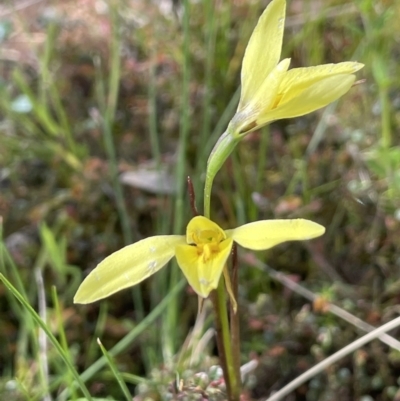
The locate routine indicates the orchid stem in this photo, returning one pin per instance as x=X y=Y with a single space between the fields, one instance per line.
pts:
x=222 y=150
x=234 y=389
x=228 y=364
x=234 y=314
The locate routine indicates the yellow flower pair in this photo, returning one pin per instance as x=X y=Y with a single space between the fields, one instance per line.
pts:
x=201 y=254
x=269 y=92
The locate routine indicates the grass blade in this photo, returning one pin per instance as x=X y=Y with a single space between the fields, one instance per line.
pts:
x=115 y=371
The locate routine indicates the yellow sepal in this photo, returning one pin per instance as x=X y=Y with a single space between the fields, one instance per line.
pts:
x=265 y=234
x=263 y=50
x=316 y=96
x=297 y=80
x=127 y=267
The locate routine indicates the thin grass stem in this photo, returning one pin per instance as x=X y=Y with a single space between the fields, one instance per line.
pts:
x=180 y=177
x=53 y=340
x=63 y=337
x=115 y=371
x=107 y=123
x=127 y=341
x=42 y=340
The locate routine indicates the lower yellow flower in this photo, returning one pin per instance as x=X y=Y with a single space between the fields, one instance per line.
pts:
x=204 y=256
x=201 y=255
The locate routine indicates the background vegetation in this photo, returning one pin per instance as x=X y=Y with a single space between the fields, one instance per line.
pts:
x=98 y=102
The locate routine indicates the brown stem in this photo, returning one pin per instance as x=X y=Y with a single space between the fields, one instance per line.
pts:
x=234 y=315
x=192 y=197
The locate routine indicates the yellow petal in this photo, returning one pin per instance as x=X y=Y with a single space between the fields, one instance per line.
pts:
x=267 y=233
x=263 y=50
x=203 y=229
x=268 y=90
x=299 y=79
x=127 y=267
x=313 y=98
x=245 y=120
x=203 y=276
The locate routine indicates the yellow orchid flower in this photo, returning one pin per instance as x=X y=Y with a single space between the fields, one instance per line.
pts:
x=271 y=92
x=201 y=255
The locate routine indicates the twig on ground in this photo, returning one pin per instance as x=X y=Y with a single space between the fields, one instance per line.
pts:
x=319 y=367
x=336 y=310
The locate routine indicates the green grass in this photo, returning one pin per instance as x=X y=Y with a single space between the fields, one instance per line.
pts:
x=106 y=93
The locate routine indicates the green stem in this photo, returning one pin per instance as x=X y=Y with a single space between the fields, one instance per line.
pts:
x=234 y=314
x=220 y=341
x=233 y=383
x=222 y=150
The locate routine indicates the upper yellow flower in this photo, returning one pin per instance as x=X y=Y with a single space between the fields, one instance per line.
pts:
x=201 y=255
x=271 y=92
